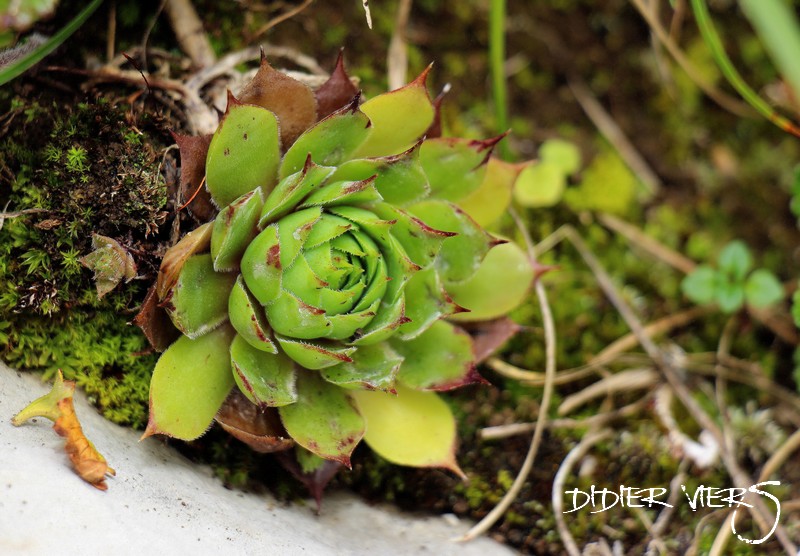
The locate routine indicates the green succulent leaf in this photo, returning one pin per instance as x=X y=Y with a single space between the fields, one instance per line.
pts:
x=198 y=302
x=330 y=142
x=420 y=242
x=196 y=241
x=455 y=167
x=700 y=285
x=248 y=318
x=344 y=193
x=400 y=179
x=762 y=289
x=461 y=254
x=324 y=419
x=412 y=428
x=315 y=355
x=373 y=367
x=191 y=380
x=441 y=358
x=399 y=118
x=500 y=284
x=426 y=303
x=294 y=318
x=291 y=190
x=266 y=379
x=234 y=229
x=735 y=260
x=491 y=200
x=261 y=266
x=244 y=153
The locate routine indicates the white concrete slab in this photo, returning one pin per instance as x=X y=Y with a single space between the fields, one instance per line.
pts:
x=161 y=503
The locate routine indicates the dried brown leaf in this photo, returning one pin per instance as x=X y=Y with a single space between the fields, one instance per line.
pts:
x=489 y=336
x=194 y=242
x=261 y=429
x=57 y=406
x=291 y=101
x=194 y=150
x=155 y=322
x=336 y=92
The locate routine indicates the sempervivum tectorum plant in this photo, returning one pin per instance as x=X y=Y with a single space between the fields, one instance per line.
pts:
x=328 y=288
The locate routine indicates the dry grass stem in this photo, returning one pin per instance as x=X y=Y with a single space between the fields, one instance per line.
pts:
x=586 y=443
x=505 y=431
x=550 y=371
x=725 y=101
x=642 y=240
x=632 y=379
x=611 y=131
x=289 y=14
x=397 y=57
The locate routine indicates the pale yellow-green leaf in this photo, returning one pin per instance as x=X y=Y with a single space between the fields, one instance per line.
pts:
x=412 y=428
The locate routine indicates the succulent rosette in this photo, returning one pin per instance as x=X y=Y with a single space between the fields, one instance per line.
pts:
x=328 y=288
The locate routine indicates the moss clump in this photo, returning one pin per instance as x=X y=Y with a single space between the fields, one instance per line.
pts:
x=69 y=172
x=75 y=172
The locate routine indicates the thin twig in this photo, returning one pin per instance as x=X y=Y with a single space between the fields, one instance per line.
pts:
x=280 y=19
x=653 y=330
x=558 y=487
x=759 y=511
x=633 y=379
x=597 y=420
x=111 y=37
x=550 y=370
x=656 y=248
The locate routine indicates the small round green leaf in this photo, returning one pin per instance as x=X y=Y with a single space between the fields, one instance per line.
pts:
x=540 y=185
x=563 y=154
x=762 y=289
x=735 y=260
x=700 y=285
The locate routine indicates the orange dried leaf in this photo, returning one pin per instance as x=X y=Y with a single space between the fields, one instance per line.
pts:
x=57 y=406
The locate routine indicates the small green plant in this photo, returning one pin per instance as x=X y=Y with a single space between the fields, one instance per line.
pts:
x=732 y=285
x=330 y=288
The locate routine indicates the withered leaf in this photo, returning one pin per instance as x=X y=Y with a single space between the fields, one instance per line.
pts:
x=195 y=241
x=336 y=92
x=155 y=322
x=435 y=130
x=194 y=150
x=316 y=480
x=261 y=429
x=111 y=262
x=291 y=101
x=489 y=336
x=57 y=406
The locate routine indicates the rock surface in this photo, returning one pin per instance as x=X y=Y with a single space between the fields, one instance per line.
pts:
x=160 y=501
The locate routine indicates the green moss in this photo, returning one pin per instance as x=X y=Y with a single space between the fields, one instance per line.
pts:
x=74 y=171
